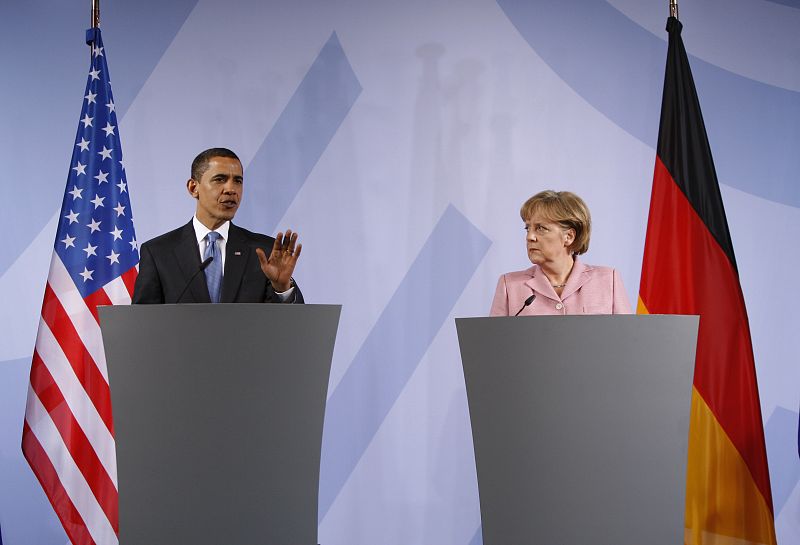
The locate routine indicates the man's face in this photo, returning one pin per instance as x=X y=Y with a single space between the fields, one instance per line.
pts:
x=218 y=191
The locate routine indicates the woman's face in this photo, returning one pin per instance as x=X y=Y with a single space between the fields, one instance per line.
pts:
x=547 y=242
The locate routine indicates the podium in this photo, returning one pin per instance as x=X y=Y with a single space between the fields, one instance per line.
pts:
x=580 y=426
x=218 y=415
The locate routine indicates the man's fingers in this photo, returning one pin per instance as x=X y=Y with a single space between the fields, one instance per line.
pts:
x=286 y=242
x=292 y=241
x=296 y=253
x=277 y=246
x=285 y=246
x=262 y=257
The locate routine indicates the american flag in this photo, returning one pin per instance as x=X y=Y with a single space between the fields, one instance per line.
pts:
x=68 y=435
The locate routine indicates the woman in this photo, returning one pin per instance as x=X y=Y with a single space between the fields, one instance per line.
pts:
x=557 y=226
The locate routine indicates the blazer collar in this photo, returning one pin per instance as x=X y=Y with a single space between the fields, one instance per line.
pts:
x=538 y=282
x=188 y=257
x=237 y=254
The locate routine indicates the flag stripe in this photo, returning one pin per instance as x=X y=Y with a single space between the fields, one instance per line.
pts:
x=80 y=314
x=80 y=494
x=54 y=315
x=724 y=352
x=46 y=474
x=129 y=278
x=738 y=508
x=75 y=439
x=116 y=291
x=96 y=299
x=59 y=370
x=683 y=144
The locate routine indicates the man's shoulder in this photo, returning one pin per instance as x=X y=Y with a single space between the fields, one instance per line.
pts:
x=168 y=239
x=250 y=236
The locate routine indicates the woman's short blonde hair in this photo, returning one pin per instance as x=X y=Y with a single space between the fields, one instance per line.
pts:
x=566 y=209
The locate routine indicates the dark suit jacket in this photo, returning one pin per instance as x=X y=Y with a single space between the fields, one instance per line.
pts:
x=168 y=262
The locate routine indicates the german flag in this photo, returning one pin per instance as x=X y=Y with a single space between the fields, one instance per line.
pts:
x=689 y=268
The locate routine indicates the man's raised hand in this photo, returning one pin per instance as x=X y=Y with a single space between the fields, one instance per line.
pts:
x=280 y=264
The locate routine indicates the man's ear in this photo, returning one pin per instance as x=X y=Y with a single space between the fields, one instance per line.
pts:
x=191 y=187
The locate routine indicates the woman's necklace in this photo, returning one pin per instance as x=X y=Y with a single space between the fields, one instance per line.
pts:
x=559 y=286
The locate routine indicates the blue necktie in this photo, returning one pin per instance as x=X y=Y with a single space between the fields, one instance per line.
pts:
x=214 y=270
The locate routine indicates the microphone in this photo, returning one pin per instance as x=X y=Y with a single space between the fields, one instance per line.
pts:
x=527 y=302
x=206 y=262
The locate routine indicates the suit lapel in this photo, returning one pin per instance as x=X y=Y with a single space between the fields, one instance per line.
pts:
x=539 y=283
x=188 y=257
x=237 y=254
x=578 y=277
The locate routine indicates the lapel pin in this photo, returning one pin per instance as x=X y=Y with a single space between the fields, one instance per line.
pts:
x=237 y=253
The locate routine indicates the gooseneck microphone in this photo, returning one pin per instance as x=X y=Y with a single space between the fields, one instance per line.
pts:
x=206 y=262
x=527 y=302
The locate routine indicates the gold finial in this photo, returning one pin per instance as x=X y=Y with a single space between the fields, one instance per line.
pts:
x=673 y=8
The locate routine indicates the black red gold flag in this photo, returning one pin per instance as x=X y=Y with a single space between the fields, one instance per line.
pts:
x=689 y=267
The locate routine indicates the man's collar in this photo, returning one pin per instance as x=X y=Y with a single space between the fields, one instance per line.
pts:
x=201 y=230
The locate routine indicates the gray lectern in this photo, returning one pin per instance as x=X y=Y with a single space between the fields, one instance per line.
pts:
x=218 y=413
x=580 y=426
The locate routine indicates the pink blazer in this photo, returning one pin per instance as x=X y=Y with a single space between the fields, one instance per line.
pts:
x=589 y=290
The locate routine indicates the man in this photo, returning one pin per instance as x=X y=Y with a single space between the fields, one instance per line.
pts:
x=235 y=268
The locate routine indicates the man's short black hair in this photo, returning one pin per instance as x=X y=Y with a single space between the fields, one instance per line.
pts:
x=200 y=163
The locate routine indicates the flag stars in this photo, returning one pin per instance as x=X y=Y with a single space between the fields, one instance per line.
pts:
x=104 y=243
x=90 y=250
x=86 y=274
x=97 y=201
x=94 y=226
x=69 y=242
x=76 y=193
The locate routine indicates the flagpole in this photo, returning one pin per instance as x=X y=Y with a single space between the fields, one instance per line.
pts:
x=95 y=24
x=673 y=8
x=95 y=13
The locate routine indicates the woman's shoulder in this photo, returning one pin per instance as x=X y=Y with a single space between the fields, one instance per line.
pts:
x=520 y=276
x=595 y=270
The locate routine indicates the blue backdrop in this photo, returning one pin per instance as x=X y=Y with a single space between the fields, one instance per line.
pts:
x=399 y=139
